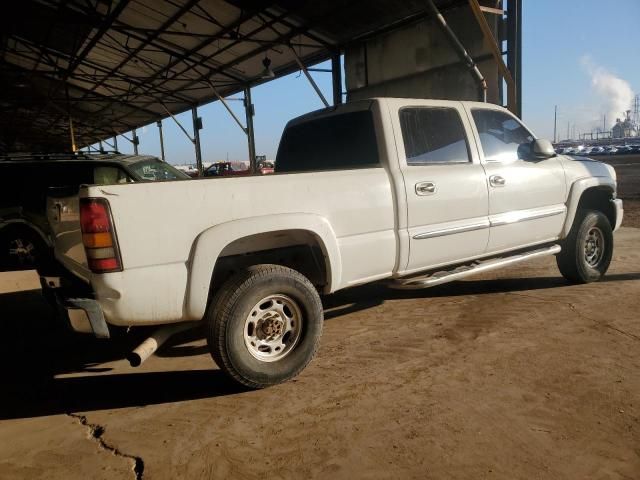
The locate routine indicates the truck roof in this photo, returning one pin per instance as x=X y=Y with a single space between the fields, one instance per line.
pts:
x=365 y=104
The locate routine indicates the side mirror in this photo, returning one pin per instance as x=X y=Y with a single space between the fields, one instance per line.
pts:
x=539 y=149
x=542 y=149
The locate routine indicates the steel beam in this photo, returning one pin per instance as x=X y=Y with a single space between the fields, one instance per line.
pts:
x=226 y=105
x=497 y=54
x=106 y=24
x=184 y=130
x=309 y=77
x=514 y=48
x=336 y=77
x=249 y=111
x=135 y=140
x=159 y=124
x=196 y=139
x=459 y=48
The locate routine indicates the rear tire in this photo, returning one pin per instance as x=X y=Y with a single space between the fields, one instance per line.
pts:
x=20 y=249
x=587 y=250
x=264 y=325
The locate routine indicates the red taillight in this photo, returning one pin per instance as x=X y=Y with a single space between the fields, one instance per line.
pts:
x=94 y=215
x=98 y=236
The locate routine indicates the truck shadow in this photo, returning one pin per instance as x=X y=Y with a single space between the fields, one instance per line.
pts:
x=45 y=370
x=35 y=351
x=372 y=295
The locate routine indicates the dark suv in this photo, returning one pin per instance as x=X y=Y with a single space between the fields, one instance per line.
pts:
x=27 y=179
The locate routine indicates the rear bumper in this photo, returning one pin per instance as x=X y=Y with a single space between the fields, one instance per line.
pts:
x=82 y=315
x=619 y=211
x=85 y=316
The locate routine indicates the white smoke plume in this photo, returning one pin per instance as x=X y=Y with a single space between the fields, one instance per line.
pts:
x=616 y=94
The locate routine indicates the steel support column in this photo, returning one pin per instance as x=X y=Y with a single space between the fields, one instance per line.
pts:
x=336 y=77
x=249 y=112
x=159 y=124
x=115 y=143
x=459 y=49
x=514 y=48
x=197 y=125
x=135 y=141
x=496 y=50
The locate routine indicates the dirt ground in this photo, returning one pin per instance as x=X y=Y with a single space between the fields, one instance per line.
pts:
x=514 y=375
x=628 y=171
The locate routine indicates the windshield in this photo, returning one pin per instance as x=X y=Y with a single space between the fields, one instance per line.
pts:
x=155 y=171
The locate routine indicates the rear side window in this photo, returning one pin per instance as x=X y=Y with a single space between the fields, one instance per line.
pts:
x=338 y=142
x=500 y=135
x=106 y=175
x=433 y=135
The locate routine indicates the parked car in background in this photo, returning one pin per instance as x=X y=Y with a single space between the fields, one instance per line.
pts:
x=225 y=169
x=27 y=179
x=266 y=167
x=610 y=150
x=624 y=150
x=190 y=170
x=596 y=150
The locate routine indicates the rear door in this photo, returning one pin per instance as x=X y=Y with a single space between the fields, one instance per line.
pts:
x=526 y=198
x=445 y=185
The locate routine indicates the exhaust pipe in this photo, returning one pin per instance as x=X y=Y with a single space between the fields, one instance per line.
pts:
x=155 y=341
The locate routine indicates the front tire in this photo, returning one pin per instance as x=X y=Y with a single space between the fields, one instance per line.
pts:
x=264 y=325
x=587 y=251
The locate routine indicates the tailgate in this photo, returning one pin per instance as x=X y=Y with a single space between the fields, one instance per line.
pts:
x=63 y=214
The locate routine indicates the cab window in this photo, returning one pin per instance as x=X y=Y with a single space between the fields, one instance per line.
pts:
x=433 y=135
x=500 y=135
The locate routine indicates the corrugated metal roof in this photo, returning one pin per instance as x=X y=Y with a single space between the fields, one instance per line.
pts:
x=114 y=66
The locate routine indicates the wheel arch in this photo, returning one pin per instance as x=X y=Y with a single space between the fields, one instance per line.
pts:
x=20 y=224
x=594 y=193
x=247 y=239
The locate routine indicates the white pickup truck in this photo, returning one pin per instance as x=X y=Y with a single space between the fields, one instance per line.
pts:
x=418 y=192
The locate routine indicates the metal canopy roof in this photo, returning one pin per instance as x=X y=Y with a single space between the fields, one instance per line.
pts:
x=112 y=66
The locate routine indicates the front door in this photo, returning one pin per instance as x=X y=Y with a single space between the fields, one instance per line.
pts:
x=445 y=185
x=526 y=198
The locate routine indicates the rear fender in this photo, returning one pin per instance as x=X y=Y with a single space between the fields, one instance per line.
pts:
x=211 y=243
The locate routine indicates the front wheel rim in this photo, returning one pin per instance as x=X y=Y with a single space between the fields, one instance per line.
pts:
x=273 y=328
x=594 y=246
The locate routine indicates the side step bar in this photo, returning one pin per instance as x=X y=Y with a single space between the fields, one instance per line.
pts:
x=437 y=278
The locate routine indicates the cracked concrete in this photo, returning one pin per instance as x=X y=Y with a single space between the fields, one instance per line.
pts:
x=95 y=432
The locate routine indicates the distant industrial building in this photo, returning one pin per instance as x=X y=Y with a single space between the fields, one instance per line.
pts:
x=625 y=128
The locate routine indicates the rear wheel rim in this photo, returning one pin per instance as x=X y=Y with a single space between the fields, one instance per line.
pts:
x=594 y=247
x=273 y=328
x=22 y=251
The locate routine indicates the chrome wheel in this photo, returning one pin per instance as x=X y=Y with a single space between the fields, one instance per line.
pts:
x=273 y=328
x=594 y=247
x=24 y=252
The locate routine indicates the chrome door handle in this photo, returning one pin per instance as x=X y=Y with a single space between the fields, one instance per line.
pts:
x=425 y=188
x=497 y=181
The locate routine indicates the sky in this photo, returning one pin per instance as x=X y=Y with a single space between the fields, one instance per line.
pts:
x=581 y=55
x=573 y=52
